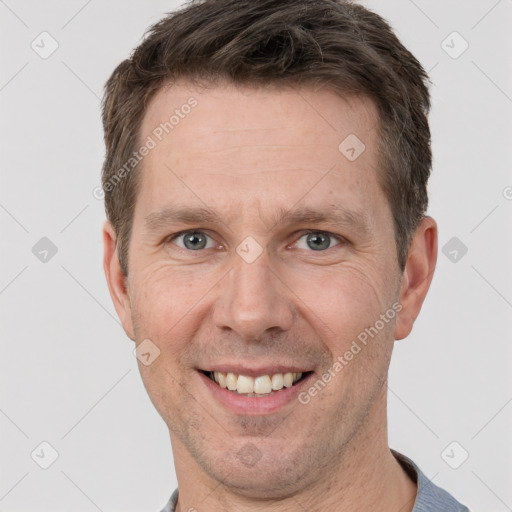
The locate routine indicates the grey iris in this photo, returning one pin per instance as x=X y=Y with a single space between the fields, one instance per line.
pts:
x=194 y=240
x=318 y=241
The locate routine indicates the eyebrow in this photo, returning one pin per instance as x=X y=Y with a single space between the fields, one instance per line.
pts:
x=335 y=215
x=157 y=221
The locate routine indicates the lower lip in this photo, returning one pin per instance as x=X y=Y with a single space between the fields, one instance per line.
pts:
x=251 y=405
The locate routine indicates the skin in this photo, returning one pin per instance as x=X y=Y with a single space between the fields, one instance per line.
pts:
x=245 y=153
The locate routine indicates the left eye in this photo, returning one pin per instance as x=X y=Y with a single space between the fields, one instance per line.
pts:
x=193 y=240
x=317 y=241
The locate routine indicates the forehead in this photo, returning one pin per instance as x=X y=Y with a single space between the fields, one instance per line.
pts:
x=259 y=145
x=227 y=113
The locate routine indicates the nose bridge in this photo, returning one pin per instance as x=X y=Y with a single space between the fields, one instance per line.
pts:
x=253 y=299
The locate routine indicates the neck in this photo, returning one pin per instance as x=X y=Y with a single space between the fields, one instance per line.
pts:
x=366 y=476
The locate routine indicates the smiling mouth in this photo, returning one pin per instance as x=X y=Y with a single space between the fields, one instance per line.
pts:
x=260 y=386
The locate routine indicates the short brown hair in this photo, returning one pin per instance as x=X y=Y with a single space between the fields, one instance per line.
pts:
x=335 y=43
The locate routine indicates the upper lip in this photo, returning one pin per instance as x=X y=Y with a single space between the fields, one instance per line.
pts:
x=255 y=371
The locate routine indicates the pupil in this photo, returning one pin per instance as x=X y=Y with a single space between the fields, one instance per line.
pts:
x=191 y=241
x=319 y=241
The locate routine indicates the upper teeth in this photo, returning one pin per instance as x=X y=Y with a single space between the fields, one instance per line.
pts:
x=261 y=384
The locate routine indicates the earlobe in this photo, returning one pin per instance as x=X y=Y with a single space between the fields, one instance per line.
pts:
x=116 y=280
x=417 y=276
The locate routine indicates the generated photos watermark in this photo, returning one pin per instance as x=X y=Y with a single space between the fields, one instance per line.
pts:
x=157 y=135
x=356 y=347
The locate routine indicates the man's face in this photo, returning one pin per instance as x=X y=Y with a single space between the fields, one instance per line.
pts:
x=256 y=289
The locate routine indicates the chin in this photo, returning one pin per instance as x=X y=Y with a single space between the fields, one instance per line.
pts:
x=261 y=486
x=268 y=475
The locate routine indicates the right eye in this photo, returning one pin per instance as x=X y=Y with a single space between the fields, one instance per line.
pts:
x=192 y=240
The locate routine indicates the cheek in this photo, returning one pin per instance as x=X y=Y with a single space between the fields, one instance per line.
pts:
x=166 y=297
x=164 y=306
x=344 y=301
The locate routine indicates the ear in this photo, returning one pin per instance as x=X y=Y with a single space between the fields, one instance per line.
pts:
x=116 y=279
x=417 y=276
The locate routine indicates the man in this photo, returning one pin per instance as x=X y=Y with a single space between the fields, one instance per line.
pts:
x=266 y=243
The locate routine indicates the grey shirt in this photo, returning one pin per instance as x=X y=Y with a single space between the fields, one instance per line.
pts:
x=430 y=498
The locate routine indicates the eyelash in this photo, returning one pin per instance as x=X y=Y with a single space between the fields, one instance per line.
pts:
x=340 y=239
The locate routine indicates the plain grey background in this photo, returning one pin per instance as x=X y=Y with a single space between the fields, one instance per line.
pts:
x=68 y=374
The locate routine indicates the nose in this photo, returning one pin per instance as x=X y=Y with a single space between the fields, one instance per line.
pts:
x=253 y=300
